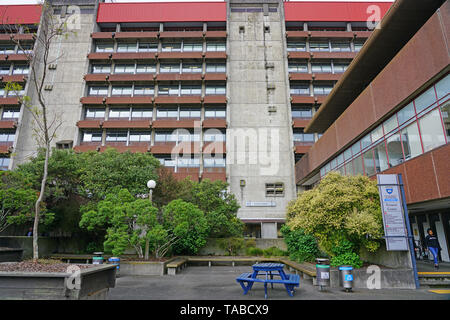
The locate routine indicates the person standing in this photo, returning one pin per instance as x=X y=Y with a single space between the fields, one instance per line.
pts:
x=432 y=244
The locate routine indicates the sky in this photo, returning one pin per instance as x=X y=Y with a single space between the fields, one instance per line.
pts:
x=4 y=2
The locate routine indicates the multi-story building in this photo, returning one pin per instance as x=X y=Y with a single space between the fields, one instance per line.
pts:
x=214 y=90
x=397 y=120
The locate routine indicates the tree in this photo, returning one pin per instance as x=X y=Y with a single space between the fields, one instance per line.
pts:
x=220 y=207
x=45 y=124
x=127 y=221
x=186 y=226
x=339 y=209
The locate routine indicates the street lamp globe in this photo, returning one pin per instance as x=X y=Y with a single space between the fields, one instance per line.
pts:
x=151 y=184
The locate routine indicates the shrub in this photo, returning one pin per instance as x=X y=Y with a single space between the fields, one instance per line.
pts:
x=274 y=252
x=344 y=254
x=231 y=245
x=253 y=251
x=301 y=247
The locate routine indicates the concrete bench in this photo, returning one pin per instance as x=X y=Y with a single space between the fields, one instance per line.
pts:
x=174 y=266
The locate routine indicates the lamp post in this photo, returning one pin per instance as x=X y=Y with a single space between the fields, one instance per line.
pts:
x=151 y=184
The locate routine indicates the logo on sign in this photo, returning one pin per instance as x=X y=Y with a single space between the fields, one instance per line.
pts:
x=348 y=277
x=389 y=191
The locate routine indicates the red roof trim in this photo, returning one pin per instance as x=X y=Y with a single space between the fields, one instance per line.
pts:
x=20 y=14
x=332 y=11
x=162 y=11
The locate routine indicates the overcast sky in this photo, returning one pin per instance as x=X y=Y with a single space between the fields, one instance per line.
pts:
x=3 y=2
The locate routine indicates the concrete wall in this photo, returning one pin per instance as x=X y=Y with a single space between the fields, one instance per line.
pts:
x=256 y=79
x=63 y=101
x=212 y=247
x=391 y=259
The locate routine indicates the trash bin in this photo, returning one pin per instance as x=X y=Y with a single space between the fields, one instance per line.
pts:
x=346 y=277
x=115 y=261
x=323 y=273
x=97 y=258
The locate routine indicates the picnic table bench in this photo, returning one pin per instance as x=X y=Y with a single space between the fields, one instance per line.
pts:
x=290 y=281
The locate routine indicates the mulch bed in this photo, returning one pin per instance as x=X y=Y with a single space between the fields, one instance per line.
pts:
x=30 y=266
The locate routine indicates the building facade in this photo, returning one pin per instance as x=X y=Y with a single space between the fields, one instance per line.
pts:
x=214 y=90
x=398 y=122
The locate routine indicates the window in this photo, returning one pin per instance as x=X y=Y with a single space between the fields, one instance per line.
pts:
x=431 y=130
x=296 y=46
x=300 y=89
x=390 y=124
x=193 y=46
x=171 y=46
x=20 y=69
x=4 y=69
x=98 y=91
x=2 y=92
x=319 y=46
x=443 y=87
x=92 y=136
x=214 y=162
x=4 y=163
x=215 y=67
x=377 y=133
x=7 y=48
x=147 y=90
x=165 y=136
x=116 y=136
x=104 y=47
x=7 y=137
x=406 y=113
x=169 y=112
x=358 y=166
x=275 y=189
x=101 y=68
x=166 y=160
x=411 y=141
x=215 y=46
x=445 y=112
x=303 y=113
x=145 y=68
x=214 y=135
x=140 y=136
x=25 y=49
x=166 y=68
x=148 y=47
x=121 y=91
x=369 y=165
x=340 y=67
x=215 y=112
x=322 y=89
x=380 y=157
x=168 y=89
x=184 y=136
x=340 y=46
x=358 y=45
x=191 y=89
x=192 y=68
x=188 y=162
x=300 y=136
x=425 y=100
x=123 y=113
x=92 y=113
x=321 y=67
x=190 y=113
x=64 y=145
x=11 y=113
x=298 y=67
x=124 y=68
x=126 y=47
x=142 y=113
x=394 y=149
x=215 y=89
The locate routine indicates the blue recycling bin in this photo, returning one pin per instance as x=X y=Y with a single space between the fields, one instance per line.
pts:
x=346 y=277
x=115 y=261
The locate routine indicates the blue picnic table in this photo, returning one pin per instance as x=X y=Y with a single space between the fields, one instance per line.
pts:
x=268 y=271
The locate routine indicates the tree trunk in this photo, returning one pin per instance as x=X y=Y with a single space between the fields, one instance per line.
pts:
x=147 y=248
x=38 y=206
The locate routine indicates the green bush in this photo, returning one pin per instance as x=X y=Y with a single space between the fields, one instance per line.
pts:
x=301 y=247
x=274 y=252
x=231 y=245
x=344 y=254
x=253 y=251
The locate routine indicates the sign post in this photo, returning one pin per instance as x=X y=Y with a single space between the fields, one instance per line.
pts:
x=397 y=228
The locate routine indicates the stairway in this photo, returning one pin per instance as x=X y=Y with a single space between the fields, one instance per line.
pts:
x=434 y=279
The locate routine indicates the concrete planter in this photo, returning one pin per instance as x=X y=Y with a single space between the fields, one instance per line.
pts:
x=10 y=255
x=143 y=268
x=94 y=284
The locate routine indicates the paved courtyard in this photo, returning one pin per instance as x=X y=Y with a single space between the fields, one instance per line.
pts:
x=218 y=283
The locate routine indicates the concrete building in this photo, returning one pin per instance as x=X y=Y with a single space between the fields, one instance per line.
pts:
x=397 y=119
x=214 y=90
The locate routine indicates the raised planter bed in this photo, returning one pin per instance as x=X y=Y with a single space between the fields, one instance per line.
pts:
x=93 y=284
x=144 y=268
x=10 y=254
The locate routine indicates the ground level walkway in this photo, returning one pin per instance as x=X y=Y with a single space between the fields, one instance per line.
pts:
x=219 y=283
